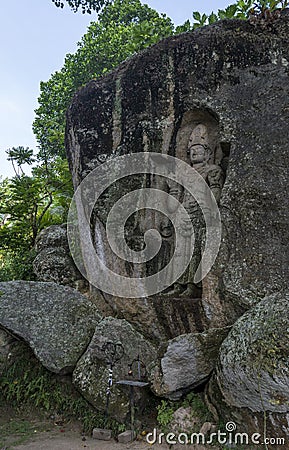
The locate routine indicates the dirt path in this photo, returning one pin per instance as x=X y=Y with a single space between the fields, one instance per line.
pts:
x=73 y=441
x=27 y=430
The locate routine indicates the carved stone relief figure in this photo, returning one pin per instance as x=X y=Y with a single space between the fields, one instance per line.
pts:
x=200 y=156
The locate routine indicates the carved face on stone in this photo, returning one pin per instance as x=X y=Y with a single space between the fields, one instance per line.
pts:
x=199 y=135
x=198 y=154
x=198 y=146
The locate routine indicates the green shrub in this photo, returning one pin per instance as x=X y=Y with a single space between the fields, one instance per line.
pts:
x=17 y=265
x=27 y=382
x=165 y=414
x=166 y=409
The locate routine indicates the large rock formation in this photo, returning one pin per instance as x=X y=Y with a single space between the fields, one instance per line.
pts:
x=161 y=319
x=231 y=77
x=91 y=374
x=252 y=376
x=223 y=90
x=186 y=362
x=53 y=261
x=56 y=321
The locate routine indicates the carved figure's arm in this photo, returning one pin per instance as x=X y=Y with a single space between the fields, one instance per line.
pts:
x=216 y=181
x=176 y=191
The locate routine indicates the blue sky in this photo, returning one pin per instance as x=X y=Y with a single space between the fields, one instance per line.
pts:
x=35 y=36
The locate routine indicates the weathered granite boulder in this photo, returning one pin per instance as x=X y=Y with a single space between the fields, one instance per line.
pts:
x=54 y=236
x=252 y=375
x=184 y=421
x=223 y=89
x=56 y=321
x=186 y=363
x=160 y=319
x=232 y=78
x=53 y=261
x=92 y=371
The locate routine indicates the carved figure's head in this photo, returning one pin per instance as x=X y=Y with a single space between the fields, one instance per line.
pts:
x=198 y=146
x=199 y=135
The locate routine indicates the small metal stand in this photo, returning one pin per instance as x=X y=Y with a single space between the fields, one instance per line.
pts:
x=113 y=352
x=139 y=383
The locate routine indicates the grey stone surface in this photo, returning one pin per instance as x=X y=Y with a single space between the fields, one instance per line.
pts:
x=158 y=318
x=233 y=73
x=184 y=421
x=252 y=373
x=126 y=437
x=52 y=236
x=10 y=349
x=233 y=78
x=101 y=434
x=53 y=261
x=91 y=373
x=187 y=362
x=208 y=427
x=56 y=321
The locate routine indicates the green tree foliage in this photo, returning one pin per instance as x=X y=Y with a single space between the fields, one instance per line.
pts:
x=19 y=156
x=242 y=9
x=86 y=6
x=28 y=204
x=122 y=29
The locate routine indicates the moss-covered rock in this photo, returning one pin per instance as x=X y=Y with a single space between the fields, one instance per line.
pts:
x=92 y=371
x=186 y=362
x=252 y=375
x=233 y=78
x=53 y=261
x=233 y=74
x=57 y=322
